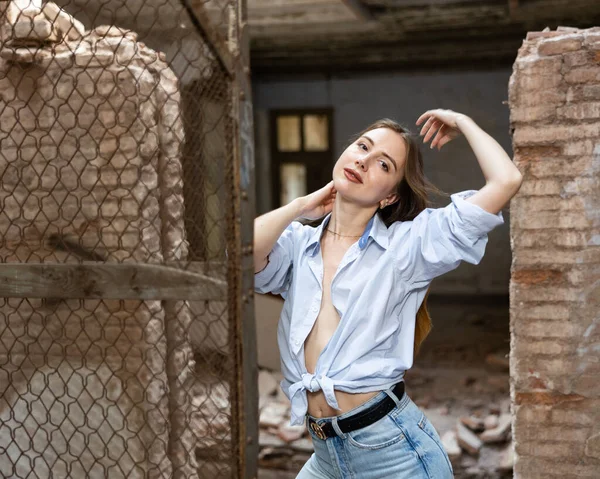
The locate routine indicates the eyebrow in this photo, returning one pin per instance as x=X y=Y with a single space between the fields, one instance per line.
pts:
x=383 y=152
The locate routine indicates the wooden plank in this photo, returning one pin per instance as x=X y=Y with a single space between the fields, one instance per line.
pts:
x=215 y=41
x=244 y=398
x=359 y=9
x=107 y=281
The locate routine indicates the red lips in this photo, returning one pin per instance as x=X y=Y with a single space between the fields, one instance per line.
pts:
x=353 y=175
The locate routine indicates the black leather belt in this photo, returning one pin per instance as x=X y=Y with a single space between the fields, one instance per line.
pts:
x=359 y=420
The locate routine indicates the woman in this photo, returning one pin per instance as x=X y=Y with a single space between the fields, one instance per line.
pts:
x=355 y=287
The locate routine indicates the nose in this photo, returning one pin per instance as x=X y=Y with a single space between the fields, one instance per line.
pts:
x=360 y=163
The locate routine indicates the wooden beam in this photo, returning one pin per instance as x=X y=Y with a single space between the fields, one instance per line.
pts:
x=513 y=7
x=359 y=9
x=413 y=3
x=107 y=281
x=215 y=41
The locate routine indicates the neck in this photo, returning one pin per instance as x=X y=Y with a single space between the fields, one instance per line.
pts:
x=349 y=219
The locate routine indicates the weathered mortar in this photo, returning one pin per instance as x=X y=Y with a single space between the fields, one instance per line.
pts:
x=90 y=139
x=555 y=232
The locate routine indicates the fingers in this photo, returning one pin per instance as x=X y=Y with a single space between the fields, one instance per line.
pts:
x=435 y=126
x=439 y=135
x=443 y=141
x=424 y=116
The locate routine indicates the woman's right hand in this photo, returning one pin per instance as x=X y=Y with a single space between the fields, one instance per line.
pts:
x=318 y=204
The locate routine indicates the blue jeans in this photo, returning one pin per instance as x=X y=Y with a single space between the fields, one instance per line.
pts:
x=401 y=445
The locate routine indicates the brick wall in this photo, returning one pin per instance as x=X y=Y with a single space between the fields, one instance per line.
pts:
x=555 y=234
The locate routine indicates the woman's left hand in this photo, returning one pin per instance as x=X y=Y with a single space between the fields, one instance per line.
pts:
x=441 y=123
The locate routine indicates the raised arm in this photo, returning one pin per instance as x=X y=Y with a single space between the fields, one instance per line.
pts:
x=269 y=227
x=503 y=179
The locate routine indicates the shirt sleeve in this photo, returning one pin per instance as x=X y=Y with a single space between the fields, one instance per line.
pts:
x=441 y=238
x=275 y=277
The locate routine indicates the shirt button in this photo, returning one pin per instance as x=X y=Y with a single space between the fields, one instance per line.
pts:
x=297 y=343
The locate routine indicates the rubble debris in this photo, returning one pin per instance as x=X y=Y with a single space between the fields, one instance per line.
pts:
x=507 y=459
x=273 y=414
x=475 y=424
x=490 y=422
x=500 y=432
x=477 y=414
x=267 y=384
x=498 y=361
x=450 y=443
x=303 y=445
x=290 y=433
x=467 y=440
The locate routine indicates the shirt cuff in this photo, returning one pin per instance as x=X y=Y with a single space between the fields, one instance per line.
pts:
x=478 y=221
x=262 y=278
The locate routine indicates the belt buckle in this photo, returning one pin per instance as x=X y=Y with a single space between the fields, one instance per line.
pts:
x=318 y=430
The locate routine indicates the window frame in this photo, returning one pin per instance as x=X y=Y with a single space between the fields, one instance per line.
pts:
x=313 y=160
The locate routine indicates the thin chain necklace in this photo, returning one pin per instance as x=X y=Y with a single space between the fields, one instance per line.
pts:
x=343 y=236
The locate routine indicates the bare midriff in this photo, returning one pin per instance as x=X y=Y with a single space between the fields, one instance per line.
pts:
x=325 y=326
x=318 y=407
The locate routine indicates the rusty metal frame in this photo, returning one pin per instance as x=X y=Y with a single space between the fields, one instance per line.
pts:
x=241 y=271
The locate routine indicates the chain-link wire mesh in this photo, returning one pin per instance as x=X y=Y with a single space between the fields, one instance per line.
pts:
x=116 y=146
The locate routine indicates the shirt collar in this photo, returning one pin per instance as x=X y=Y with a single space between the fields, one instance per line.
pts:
x=375 y=229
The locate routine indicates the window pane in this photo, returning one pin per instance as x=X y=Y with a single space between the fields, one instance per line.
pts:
x=316 y=133
x=293 y=181
x=288 y=133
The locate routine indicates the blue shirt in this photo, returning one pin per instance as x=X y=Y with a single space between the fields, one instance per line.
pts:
x=377 y=290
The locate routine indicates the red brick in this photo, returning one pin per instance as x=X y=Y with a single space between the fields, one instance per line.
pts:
x=538 y=35
x=526 y=114
x=534 y=153
x=547 y=329
x=531 y=413
x=541 y=187
x=537 y=276
x=535 y=65
x=587 y=383
x=592 y=37
x=581 y=111
x=551 y=134
x=535 y=256
x=579 y=148
x=528 y=84
x=548 y=449
x=583 y=75
x=577 y=59
x=525 y=345
x=567 y=29
x=581 y=220
x=546 y=312
x=567 y=168
x=572 y=416
x=536 y=204
x=544 y=97
x=559 y=45
x=581 y=186
x=531 y=239
x=546 y=398
x=550 y=468
x=575 y=277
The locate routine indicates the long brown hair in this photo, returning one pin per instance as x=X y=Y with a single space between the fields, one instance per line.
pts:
x=413 y=193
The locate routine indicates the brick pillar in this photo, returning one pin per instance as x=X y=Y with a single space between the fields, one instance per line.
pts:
x=555 y=233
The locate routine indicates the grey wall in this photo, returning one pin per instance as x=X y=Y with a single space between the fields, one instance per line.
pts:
x=360 y=100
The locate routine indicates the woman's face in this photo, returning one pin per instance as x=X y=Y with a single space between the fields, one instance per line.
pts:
x=369 y=170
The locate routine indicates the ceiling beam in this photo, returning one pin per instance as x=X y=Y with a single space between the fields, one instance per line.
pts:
x=359 y=9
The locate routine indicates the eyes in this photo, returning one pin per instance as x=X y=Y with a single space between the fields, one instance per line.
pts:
x=382 y=163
